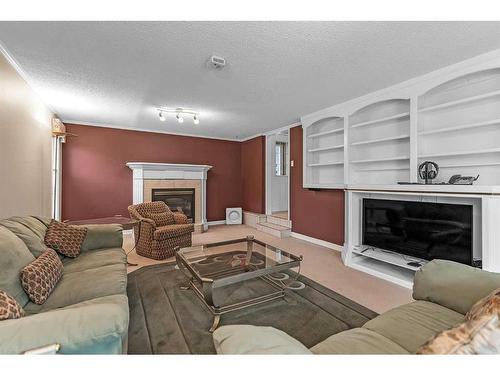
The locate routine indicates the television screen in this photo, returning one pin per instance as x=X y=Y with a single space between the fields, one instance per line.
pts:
x=419 y=229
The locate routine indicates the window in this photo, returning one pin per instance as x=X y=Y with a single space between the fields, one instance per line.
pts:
x=281 y=156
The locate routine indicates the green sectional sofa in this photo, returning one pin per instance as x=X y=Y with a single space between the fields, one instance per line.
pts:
x=87 y=312
x=443 y=291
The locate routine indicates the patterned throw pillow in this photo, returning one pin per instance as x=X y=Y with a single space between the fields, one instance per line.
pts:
x=64 y=238
x=480 y=336
x=9 y=308
x=163 y=218
x=41 y=276
x=486 y=306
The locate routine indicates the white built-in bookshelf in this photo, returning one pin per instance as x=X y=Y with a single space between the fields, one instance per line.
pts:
x=324 y=147
x=459 y=126
x=379 y=142
x=451 y=117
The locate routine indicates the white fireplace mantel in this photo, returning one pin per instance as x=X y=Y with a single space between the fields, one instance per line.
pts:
x=165 y=171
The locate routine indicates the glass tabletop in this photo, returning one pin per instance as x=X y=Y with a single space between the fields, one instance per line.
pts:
x=228 y=258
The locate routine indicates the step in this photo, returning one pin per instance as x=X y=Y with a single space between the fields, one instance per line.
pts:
x=278 y=221
x=252 y=219
x=274 y=229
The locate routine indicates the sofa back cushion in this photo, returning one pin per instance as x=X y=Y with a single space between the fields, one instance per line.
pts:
x=30 y=230
x=14 y=256
x=453 y=285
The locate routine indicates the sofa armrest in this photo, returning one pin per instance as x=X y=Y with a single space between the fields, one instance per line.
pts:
x=180 y=218
x=248 y=339
x=453 y=285
x=102 y=236
x=78 y=329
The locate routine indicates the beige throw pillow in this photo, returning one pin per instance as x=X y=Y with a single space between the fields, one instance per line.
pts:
x=9 y=308
x=41 y=276
x=486 y=306
x=480 y=336
x=64 y=238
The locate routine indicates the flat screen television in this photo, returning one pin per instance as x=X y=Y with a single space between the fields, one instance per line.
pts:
x=419 y=229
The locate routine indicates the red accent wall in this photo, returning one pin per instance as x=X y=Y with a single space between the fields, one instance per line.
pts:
x=96 y=182
x=253 y=174
x=320 y=213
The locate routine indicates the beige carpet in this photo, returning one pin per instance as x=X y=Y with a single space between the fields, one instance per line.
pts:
x=320 y=264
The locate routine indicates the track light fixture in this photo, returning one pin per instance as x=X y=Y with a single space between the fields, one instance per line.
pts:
x=180 y=114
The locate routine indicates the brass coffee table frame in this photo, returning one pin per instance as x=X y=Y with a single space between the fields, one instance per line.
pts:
x=207 y=283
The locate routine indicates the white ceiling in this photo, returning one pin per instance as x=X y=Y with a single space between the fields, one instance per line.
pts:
x=117 y=73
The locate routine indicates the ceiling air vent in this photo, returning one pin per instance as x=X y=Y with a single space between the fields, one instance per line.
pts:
x=218 y=62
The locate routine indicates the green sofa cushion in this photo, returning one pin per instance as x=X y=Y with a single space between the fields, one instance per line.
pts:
x=94 y=259
x=102 y=236
x=14 y=256
x=358 y=341
x=249 y=339
x=28 y=229
x=453 y=285
x=92 y=327
x=411 y=325
x=80 y=286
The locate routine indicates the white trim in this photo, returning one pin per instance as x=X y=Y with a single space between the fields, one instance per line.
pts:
x=99 y=125
x=216 y=222
x=283 y=128
x=317 y=241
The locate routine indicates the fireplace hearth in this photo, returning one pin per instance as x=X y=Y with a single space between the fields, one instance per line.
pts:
x=181 y=200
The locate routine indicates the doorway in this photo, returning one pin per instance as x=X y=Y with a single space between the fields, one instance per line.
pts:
x=277 y=174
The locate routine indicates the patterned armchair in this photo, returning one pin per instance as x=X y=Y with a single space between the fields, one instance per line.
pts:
x=160 y=230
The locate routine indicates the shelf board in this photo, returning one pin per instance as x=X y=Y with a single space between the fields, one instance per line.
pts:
x=387 y=256
x=325 y=185
x=462 y=127
x=325 y=133
x=379 y=140
x=325 y=148
x=383 y=169
x=461 y=101
x=470 y=165
x=389 y=118
x=395 y=274
x=326 y=164
x=380 y=160
x=460 y=153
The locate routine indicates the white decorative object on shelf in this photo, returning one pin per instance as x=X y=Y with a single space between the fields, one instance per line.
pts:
x=234 y=215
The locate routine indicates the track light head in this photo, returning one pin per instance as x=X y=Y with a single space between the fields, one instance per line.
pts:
x=180 y=119
x=196 y=119
x=162 y=118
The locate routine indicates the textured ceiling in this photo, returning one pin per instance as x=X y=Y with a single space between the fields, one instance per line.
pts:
x=117 y=73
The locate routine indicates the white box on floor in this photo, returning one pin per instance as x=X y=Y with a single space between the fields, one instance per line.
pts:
x=234 y=215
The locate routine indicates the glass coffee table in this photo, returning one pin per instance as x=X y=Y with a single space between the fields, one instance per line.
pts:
x=212 y=269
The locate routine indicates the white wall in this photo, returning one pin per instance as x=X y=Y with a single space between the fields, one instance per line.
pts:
x=25 y=147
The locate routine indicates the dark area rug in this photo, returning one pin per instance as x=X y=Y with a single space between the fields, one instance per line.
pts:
x=167 y=320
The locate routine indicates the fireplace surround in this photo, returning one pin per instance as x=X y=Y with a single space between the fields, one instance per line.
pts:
x=147 y=177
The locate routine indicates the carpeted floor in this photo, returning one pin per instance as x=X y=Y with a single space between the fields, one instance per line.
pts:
x=167 y=320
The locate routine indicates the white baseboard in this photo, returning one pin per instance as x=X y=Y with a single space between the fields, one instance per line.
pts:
x=216 y=222
x=317 y=241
